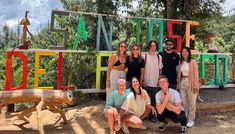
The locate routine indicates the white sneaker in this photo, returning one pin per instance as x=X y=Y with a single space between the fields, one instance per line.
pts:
x=125 y=129
x=190 y=123
x=143 y=127
x=112 y=132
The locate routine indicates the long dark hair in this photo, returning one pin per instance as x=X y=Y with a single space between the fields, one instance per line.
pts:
x=132 y=89
x=189 y=54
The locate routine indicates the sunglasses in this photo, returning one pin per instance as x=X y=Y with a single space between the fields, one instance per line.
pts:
x=169 y=44
x=123 y=46
x=135 y=49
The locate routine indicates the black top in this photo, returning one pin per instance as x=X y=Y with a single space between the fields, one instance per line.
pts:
x=134 y=67
x=117 y=63
x=170 y=61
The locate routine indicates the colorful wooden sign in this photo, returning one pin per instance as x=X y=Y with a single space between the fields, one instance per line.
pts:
x=216 y=58
x=137 y=21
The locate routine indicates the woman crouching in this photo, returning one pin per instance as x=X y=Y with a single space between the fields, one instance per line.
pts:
x=113 y=106
x=136 y=107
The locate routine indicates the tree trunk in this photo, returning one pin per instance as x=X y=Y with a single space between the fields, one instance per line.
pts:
x=169 y=9
x=234 y=66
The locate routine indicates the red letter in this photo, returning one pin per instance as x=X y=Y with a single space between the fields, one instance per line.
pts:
x=60 y=62
x=170 y=34
x=9 y=70
x=59 y=80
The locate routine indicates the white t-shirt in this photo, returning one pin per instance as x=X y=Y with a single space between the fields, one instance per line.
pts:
x=152 y=67
x=136 y=106
x=174 y=98
x=185 y=68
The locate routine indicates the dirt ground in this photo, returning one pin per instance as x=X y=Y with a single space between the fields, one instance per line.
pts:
x=89 y=119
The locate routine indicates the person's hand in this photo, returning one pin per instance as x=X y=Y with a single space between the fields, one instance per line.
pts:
x=144 y=83
x=177 y=110
x=154 y=111
x=195 y=90
x=143 y=95
x=167 y=96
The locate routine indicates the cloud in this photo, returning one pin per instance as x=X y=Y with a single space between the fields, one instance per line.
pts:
x=39 y=12
x=229 y=7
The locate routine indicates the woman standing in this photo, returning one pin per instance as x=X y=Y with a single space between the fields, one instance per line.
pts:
x=188 y=82
x=135 y=108
x=135 y=65
x=116 y=68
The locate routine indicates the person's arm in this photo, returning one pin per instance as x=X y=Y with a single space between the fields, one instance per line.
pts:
x=196 y=78
x=175 y=108
x=150 y=107
x=126 y=64
x=126 y=70
x=110 y=64
x=161 y=65
x=160 y=72
x=178 y=76
x=161 y=106
x=142 y=76
x=143 y=94
x=142 y=66
x=125 y=107
x=122 y=112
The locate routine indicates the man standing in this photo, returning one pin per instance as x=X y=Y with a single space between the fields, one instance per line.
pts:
x=170 y=60
x=153 y=69
x=168 y=105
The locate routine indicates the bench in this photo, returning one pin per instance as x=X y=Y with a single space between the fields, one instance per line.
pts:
x=88 y=91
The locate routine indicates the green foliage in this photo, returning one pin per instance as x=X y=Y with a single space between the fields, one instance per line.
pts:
x=82 y=70
x=223 y=28
x=2 y=70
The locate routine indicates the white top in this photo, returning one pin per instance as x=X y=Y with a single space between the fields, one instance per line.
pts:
x=152 y=67
x=185 y=68
x=174 y=98
x=136 y=106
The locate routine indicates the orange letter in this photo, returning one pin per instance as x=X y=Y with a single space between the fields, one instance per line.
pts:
x=188 y=36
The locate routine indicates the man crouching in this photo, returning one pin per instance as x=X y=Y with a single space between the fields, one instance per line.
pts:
x=168 y=105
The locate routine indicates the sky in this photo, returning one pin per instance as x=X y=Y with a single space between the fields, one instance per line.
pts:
x=40 y=12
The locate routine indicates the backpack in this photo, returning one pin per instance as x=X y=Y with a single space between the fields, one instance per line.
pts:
x=158 y=58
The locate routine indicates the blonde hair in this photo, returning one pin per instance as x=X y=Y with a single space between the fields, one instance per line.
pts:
x=132 y=55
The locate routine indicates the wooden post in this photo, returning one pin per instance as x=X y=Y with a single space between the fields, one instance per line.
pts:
x=11 y=108
x=233 y=62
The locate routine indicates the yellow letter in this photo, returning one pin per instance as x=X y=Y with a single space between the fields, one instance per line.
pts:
x=40 y=71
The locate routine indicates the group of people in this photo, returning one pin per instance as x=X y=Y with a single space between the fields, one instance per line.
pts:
x=151 y=85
